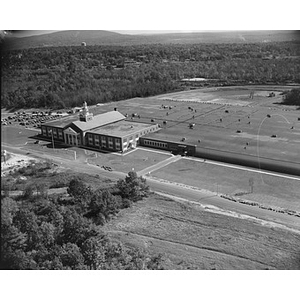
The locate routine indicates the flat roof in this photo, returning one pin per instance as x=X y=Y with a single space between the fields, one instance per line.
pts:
x=165 y=136
x=121 y=128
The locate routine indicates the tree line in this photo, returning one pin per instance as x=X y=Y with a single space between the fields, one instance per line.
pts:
x=63 y=77
x=64 y=233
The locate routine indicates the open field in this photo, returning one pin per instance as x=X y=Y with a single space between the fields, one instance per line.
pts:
x=16 y=136
x=218 y=115
x=136 y=160
x=191 y=238
x=267 y=189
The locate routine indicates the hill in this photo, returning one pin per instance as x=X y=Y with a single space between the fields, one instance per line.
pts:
x=67 y=38
x=102 y=37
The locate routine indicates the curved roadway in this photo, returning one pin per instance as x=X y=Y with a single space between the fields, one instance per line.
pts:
x=174 y=190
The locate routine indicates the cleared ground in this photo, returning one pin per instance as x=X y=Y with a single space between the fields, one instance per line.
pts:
x=191 y=238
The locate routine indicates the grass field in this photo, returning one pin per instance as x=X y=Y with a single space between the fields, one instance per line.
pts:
x=137 y=160
x=15 y=136
x=218 y=113
x=190 y=238
x=268 y=190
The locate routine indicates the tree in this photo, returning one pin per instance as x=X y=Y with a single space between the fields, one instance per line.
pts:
x=292 y=97
x=93 y=252
x=102 y=205
x=133 y=187
x=80 y=191
x=47 y=231
x=71 y=256
x=76 y=228
x=27 y=222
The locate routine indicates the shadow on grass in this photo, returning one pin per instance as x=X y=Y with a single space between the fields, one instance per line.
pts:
x=285 y=104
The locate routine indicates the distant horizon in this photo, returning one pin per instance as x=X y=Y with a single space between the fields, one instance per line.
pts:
x=28 y=33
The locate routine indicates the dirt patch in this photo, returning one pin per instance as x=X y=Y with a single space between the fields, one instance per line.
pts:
x=15 y=161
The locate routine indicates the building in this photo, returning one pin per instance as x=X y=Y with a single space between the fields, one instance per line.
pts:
x=109 y=131
x=165 y=144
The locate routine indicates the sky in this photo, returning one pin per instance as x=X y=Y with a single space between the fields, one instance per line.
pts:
x=24 y=33
x=155 y=15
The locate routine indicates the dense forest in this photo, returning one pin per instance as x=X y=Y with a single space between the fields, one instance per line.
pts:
x=39 y=231
x=63 y=77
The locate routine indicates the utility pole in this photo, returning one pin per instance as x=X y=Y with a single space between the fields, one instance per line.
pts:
x=251 y=184
x=52 y=139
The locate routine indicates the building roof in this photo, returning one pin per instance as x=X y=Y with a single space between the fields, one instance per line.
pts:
x=63 y=122
x=100 y=120
x=97 y=121
x=121 y=129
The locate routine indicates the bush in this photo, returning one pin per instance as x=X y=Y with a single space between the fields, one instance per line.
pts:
x=292 y=97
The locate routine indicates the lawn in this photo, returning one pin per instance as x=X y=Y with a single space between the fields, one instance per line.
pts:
x=46 y=147
x=16 y=136
x=138 y=160
x=268 y=190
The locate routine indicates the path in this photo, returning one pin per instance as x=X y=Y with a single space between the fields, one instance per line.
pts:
x=159 y=165
x=175 y=190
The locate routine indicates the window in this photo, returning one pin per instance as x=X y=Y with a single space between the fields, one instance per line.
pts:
x=49 y=131
x=60 y=135
x=110 y=143
x=103 y=141
x=118 y=145
x=55 y=132
x=44 y=131
x=97 y=140
x=90 y=139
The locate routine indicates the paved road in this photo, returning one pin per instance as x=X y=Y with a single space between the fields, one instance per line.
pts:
x=200 y=196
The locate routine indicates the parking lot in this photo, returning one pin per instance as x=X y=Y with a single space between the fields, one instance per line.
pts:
x=29 y=119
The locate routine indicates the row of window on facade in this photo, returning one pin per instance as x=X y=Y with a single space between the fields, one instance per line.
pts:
x=155 y=144
x=55 y=132
x=103 y=141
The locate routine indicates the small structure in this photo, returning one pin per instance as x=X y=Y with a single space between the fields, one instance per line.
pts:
x=83 y=44
x=272 y=94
